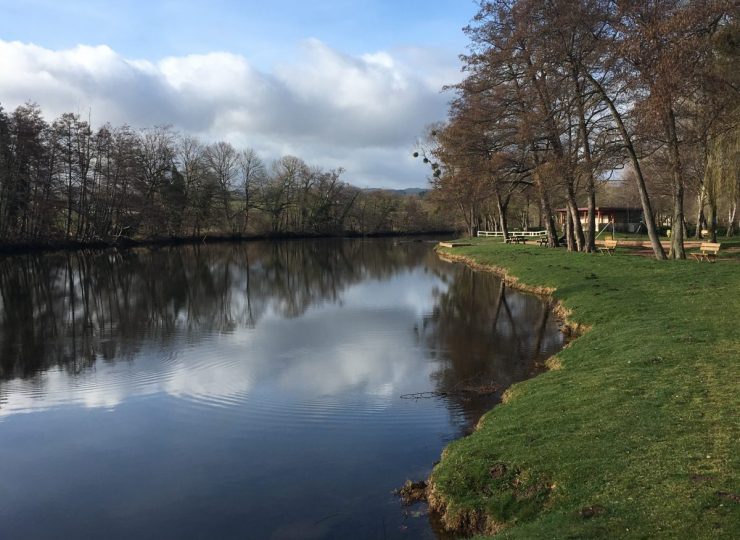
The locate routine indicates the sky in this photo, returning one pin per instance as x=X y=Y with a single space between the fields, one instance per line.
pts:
x=338 y=83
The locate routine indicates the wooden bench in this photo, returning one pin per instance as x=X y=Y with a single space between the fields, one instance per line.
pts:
x=608 y=247
x=517 y=240
x=542 y=240
x=707 y=251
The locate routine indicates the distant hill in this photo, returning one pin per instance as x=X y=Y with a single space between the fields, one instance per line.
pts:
x=406 y=192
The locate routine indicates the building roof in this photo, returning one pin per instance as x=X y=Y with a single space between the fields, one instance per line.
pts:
x=605 y=209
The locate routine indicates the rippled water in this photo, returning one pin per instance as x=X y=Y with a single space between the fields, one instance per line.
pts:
x=257 y=390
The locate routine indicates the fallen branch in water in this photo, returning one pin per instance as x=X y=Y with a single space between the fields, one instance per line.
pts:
x=461 y=390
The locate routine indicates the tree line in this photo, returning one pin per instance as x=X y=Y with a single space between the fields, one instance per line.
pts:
x=563 y=96
x=65 y=181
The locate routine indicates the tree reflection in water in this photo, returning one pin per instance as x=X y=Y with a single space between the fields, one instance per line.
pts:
x=484 y=336
x=71 y=310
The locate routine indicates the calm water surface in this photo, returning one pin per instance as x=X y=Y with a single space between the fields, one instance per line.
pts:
x=245 y=391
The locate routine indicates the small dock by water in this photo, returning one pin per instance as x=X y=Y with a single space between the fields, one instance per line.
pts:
x=454 y=244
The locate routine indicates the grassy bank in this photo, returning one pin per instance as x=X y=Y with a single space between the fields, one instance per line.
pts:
x=636 y=434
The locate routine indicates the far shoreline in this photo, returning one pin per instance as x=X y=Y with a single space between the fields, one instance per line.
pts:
x=52 y=246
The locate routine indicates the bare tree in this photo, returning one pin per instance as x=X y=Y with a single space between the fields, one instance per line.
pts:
x=223 y=162
x=252 y=173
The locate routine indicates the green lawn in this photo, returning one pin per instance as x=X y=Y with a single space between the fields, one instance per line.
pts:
x=636 y=435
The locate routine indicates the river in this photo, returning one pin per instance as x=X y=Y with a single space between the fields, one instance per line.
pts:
x=266 y=390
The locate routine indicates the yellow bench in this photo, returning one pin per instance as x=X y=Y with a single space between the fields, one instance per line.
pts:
x=707 y=251
x=608 y=247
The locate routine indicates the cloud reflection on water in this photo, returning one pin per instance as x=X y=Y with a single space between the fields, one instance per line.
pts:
x=348 y=341
x=292 y=319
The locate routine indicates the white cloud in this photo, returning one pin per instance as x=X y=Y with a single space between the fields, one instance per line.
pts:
x=360 y=112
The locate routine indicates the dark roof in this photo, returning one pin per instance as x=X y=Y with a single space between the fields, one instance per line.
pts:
x=605 y=209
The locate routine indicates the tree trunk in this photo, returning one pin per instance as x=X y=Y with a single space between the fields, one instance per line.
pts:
x=546 y=210
x=647 y=209
x=553 y=136
x=590 y=240
x=575 y=217
x=685 y=228
x=569 y=240
x=551 y=229
x=731 y=219
x=247 y=202
x=677 y=236
x=700 y=213
x=712 y=219
x=502 y=207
